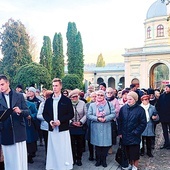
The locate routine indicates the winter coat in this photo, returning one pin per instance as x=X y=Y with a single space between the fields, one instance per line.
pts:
x=131 y=124
x=149 y=130
x=101 y=132
x=32 y=133
x=13 y=129
x=163 y=107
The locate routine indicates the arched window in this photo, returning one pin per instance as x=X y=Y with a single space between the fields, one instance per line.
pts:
x=149 y=32
x=111 y=82
x=160 y=31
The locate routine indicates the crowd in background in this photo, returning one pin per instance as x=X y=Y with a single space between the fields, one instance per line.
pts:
x=102 y=116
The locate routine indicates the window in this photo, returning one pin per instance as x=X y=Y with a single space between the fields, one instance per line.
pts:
x=149 y=32
x=160 y=31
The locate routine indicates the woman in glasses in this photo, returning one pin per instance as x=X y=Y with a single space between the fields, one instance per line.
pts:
x=151 y=116
x=77 y=126
x=101 y=113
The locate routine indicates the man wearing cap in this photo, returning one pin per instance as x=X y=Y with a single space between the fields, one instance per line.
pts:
x=163 y=108
x=131 y=124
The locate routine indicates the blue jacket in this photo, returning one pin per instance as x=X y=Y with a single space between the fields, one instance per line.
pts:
x=13 y=129
x=149 y=130
x=32 y=133
x=131 y=123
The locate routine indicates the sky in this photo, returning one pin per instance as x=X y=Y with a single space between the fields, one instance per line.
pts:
x=106 y=26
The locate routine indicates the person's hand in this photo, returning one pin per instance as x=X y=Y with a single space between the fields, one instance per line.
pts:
x=101 y=119
x=54 y=123
x=154 y=117
x=78 y=124
x=120 y=136
x=17 y=110
x=29 y=117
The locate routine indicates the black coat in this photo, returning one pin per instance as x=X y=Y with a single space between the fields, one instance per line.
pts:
x=65 y=112
x=163 y=107
x=13 y=129
x=131 y=123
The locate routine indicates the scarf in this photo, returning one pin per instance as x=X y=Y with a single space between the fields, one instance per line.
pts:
x=146 y=107
x=100 y=108
x=110 y=98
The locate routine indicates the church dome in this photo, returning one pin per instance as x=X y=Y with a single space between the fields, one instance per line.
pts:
x=157 y=9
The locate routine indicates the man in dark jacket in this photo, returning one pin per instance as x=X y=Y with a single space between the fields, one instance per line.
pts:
x=58 y=111
x=163 y=108
x=13 y=131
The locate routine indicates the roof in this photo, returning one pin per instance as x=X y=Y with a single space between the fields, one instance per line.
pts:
x=157 y=9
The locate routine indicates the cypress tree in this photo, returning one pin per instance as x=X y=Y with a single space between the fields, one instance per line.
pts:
x=74 y=51
x=100 y=61
x=58 y=57
x=46 y=53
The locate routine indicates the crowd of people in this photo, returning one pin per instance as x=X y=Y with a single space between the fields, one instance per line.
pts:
x=63 y=120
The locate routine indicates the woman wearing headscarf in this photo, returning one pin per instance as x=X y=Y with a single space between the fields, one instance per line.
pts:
x=131 y=124
x=101 y=113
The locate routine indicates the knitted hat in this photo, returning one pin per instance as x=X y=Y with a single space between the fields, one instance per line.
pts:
x=150 y=91
x=145 y=97
x=74 y=92
x=168 y=85
x=32 y=89
x=103 y=84
x=134 y=95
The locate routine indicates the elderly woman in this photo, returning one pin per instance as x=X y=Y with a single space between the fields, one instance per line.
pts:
x=123 y=100
x=151 y=116
x=110 y=96
x=131 y=124
x=77 y=128
x=101 y=113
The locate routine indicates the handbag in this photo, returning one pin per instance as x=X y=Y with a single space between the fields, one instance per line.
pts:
x=78 y=130
x=121 y=156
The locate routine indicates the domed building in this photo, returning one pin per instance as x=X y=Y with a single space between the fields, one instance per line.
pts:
x=150 y=64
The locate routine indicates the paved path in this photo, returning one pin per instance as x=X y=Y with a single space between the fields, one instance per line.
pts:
x=160 y=161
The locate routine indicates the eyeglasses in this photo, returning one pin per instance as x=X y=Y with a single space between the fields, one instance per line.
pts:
x=101 y=95
x=74 y=97
x=109 y=92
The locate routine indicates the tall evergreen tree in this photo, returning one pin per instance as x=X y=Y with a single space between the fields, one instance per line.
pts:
x=58 y=57
x=15 y=47
x=46 y=53
x=74 y=51
x=100 y=61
